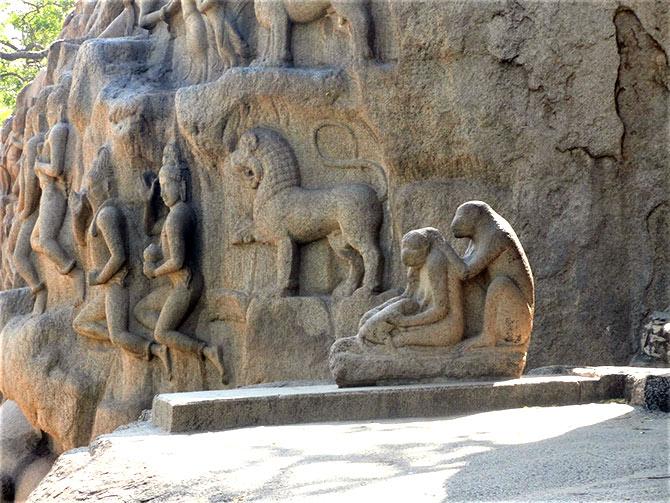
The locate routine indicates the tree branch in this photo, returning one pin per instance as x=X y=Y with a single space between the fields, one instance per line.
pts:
x=29 y=55
x=12 y=74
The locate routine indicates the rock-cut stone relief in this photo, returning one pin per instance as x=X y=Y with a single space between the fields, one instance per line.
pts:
x=420 y=334
x=495 y=254
x=165 y=308
x=51 y=169
x=221 y=15
x=286 y=214
x=29 y=200
x=278 y=16
x=100 y=227
x=430 y=310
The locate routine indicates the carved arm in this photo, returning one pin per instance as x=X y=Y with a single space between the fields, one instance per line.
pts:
x=205 y=5
x=110 y=228
x=80 y=216
x=177 y=248
x=439 y=307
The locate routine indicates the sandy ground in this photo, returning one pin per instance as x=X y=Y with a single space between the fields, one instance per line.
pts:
x=576 y=453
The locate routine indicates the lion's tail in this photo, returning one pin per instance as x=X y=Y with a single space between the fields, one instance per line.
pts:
x=381 y=187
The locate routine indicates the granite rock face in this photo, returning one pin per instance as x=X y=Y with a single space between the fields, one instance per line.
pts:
x=140 y=254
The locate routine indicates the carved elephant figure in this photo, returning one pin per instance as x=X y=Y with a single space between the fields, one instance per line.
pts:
x=278 y=16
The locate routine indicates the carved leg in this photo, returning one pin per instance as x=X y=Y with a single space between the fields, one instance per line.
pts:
x=372 y=259
x=215 y=355
x=52 y=212
x=222 y=38
x=172 y=315
x=90 y=322
x=359 y=21
x=506 y=316
x=272 y=15
x=356 y=269
x=146 y=311
x=116 y=309
x=22 y=261
x=235 y=39
x=40 y=304
x=288 y=266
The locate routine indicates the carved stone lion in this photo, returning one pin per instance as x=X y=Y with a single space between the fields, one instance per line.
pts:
x=285 y=214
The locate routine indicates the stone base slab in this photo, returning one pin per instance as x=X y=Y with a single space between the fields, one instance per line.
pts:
x=264 y=406
x=353 y=364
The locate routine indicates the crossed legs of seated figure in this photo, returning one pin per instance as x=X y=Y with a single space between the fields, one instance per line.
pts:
x=163 y=310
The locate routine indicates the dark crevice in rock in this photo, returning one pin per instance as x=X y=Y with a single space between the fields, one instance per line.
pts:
x=642 y=81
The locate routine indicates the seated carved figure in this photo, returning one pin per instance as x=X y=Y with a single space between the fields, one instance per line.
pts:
x=495 y=254
x=285 y=214
x=430 y=310
x=424 y=333
x=277 y=16
x=165 y=308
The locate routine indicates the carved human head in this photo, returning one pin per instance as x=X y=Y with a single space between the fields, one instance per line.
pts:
x=244 y=160
x=57 y=100
x=416 y=245
x=172 y=176
x=100 y=178
x=467 y=218
x=40 y=106
x=6 y=128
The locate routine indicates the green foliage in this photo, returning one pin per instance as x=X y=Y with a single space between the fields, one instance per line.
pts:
x=26 y=26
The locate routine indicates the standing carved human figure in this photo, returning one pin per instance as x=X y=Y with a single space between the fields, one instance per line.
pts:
x=104 y=316
x=278 y=16
x=29 y=201
x=230 y=44
x=196 y=37
x=50 y=167
x=164 y=309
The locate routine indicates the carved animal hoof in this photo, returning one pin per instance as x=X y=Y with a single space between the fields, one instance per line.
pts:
x=265 y=62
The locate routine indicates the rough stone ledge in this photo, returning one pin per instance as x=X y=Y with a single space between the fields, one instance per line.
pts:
x=265 y=406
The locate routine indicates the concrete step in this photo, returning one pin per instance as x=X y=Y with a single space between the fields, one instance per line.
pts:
x=264 y=406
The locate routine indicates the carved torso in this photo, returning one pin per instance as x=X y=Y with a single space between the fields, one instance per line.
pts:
x=98 y=251
x=180 y=220
x=51 y=148
x=31 y=185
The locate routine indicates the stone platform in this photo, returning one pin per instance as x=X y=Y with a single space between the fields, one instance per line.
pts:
x=265 y=406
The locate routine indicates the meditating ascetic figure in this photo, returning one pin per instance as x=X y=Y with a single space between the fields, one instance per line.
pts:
x=430 y=310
